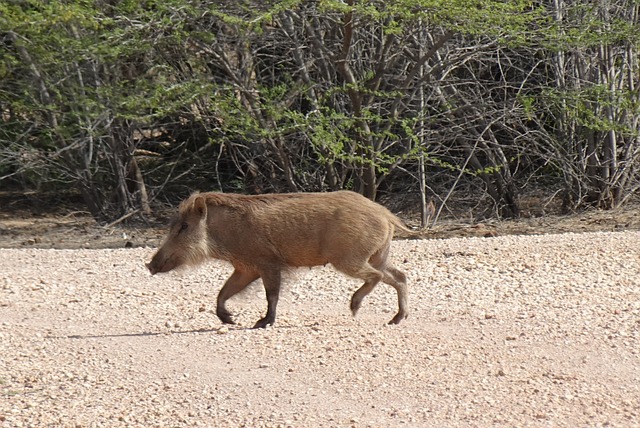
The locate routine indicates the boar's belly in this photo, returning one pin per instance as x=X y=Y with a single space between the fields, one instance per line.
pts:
x=304 y=257
x=303 y=253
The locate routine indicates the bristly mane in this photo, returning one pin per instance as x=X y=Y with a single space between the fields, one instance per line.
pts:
x=238 y=202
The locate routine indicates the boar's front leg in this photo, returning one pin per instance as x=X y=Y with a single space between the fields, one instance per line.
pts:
x=237 y=282
x=271 y=280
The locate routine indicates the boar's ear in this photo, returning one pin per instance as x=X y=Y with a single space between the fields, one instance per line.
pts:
x=200 y=207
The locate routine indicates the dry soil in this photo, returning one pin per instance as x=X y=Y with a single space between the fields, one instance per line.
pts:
x=539 y=330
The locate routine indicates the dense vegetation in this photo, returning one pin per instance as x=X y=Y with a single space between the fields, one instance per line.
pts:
x=135 y=102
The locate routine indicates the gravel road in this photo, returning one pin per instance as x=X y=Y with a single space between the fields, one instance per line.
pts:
x=507 y=331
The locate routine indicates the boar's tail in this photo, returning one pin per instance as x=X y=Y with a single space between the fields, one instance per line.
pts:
x=406 y=232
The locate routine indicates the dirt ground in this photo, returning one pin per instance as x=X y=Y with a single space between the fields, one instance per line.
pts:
x=528 y=323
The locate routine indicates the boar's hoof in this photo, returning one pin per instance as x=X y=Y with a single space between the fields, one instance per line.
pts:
x=355 y=305
x=396 y=320
x=225 y=317
x=264 y=322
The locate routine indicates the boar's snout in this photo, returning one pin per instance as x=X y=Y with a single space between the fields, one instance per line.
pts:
x=160 y=263
x=151 y=268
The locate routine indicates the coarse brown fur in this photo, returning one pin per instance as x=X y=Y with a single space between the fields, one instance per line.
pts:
x=265 y=234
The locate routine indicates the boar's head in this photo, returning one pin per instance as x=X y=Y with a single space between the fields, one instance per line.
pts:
x=186 y=243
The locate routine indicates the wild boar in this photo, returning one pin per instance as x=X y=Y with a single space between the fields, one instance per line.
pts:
x=263 y=235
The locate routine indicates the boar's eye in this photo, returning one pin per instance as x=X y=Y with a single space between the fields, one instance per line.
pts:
x=183 y=227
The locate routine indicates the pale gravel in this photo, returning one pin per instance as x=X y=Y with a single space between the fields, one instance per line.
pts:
x=507 y=331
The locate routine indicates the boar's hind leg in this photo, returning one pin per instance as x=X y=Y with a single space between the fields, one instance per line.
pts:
x=394 y=277
x=397 y=280
x=371 y=277
x=237 y=282
x=271 y=281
